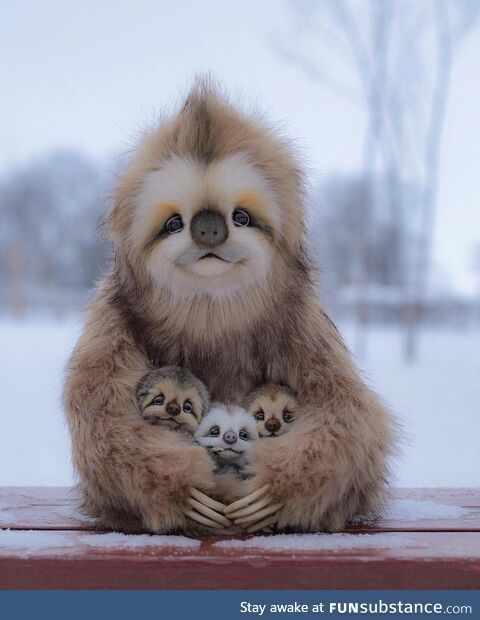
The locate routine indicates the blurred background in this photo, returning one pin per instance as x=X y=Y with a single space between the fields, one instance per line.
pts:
x=381 y=98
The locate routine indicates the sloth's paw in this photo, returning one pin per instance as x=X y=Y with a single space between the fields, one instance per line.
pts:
x=205 y=510
x=256 y=511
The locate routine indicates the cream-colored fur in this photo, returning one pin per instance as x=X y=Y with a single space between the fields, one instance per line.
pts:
x=235 y=330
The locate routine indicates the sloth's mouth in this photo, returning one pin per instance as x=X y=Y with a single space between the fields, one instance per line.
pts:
x=212 y=255
x=223 y=450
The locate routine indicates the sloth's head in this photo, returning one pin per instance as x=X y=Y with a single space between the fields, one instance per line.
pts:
x=228 y=433
x=274 y=408
x=172 y=397
x=208 y=201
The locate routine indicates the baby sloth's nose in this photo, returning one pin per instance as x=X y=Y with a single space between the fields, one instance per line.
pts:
x=230 y=437
x=208 y=228
x=272 y=425
x=173 y=408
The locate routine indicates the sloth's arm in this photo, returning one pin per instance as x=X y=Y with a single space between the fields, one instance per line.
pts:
x=132 y=475
x=333 y=463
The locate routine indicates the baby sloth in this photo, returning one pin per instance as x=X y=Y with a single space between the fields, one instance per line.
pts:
x=228 y=433
x=274 y=408
x=173 y=397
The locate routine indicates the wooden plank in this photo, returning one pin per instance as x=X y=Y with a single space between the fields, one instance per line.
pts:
x=317 y=561
x=53 y=508
x=42 y=508
x=428 y=510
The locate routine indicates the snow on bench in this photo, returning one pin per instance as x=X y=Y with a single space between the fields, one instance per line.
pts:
x=427 y=538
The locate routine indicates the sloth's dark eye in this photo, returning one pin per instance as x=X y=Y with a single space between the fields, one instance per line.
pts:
x=243 y=435
x=288 y=416
x=260 y=415
x=214 y=431
x=174 y=224
x=159 y=400
x=187 y=406
x=240 y=218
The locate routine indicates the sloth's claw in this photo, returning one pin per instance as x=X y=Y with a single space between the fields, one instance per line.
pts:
x=258 y=515
x=208 y=512
x=207 y=501
x=251 y=508
x=264 y=525
x=248 y=499
x=196 y=516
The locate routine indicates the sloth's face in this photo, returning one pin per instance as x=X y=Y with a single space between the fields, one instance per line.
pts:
x=273 y=414
x=170 y=404
x=206 y=228
x=228 y=432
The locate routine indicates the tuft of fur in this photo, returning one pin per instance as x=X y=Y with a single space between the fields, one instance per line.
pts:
x=333 y=464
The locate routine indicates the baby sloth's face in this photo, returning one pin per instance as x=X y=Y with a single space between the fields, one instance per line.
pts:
x=228 y=433
x=168 y=402
x=274 y=409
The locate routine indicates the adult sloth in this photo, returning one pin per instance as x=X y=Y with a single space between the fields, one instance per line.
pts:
x=210 y=273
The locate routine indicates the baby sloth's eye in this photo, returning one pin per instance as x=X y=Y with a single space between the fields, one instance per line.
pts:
x=288 y=416
x=174 y=224
x=243 y=435
x=214 y=431
x=187 y=406
x=240 y=218
x=260 y=415
x=159 y=400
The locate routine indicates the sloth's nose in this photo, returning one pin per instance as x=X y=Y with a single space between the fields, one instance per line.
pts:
x=173 y=408
x=208 y=228
x=230 y=437
x=272 y=425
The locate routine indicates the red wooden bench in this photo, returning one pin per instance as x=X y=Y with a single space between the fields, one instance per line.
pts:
x=429 y=539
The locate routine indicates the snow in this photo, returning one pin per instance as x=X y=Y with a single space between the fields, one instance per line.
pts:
x=318 y=542
x=437 y=401
x=6 y=517
x=28 y=542
x=131 y=541
x=34 y=442
x=413 y=510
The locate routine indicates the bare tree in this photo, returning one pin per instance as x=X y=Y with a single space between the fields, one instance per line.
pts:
x=51 y=210
x=396 y=58
x=451 y=21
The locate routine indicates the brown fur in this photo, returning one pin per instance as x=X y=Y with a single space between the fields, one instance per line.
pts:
x=272 y=400
x=333 y=463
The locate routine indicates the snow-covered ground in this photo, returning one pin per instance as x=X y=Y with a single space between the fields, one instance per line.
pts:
x=437 y=400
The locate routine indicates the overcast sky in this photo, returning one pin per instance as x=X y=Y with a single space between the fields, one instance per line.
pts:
x=89 y=74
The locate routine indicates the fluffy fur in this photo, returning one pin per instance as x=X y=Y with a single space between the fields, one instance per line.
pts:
x=228 y=433
x=237 y=326
x=274 y=408
x=172 y=397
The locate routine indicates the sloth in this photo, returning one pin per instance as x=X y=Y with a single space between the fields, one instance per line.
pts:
x=172 y=397
x=228 y=433
x=274 y=408
x=211 y=272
